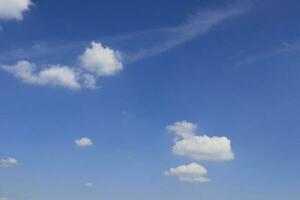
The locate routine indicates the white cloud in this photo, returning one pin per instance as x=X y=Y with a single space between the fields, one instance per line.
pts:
x=183 y=129
x=168 y=38
x=55 y=75
x=89 y=81
x=13 y=9
x=204 y=148
x=9 y=162
x=89 y=184
x=190 y=173
x=60 y=76
x=103 y=61
x=97 y=60
x=83 y=142
x=199 y=147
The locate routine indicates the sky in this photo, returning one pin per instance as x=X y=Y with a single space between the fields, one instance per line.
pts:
x=167 y=100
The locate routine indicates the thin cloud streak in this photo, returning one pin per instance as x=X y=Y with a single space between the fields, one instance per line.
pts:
x=148 y=42
x=40 y=49
x=197 y=25
x=279 y=50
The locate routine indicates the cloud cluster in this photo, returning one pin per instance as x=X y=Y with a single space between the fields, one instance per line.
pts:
x=199 y=148
x=190 y=173
x=84 y=142
x=9 y=162
x=13 y=9
x=96 y=61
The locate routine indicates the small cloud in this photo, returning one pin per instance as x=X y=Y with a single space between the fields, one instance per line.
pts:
x=13 y=9
x=100 y=60
x=183 y=129
x=84 y=142
x=190 y=173
x=9 y=162
x=89 y=81
x=89 y=184
x=203 y=147
x=55 y=75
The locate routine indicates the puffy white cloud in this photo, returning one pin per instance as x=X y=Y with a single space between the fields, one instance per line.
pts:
x=100 y=60
x=199 y=147
x=89 y=184
x=190 y=173
x=9 y=162
x=84 y=142
x=55 y=75
x=13 y=9
x=204 y=148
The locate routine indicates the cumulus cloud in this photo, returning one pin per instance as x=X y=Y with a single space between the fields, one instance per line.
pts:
x=55 y=75
x=9 y=162
x=204 y=148
x=84 y=142
x=100 y=60
x=13 y=9
x=199 y=147
x=190 y=173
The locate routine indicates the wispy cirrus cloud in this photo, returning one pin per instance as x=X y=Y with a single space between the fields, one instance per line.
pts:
x=170 y=37
x=147 y=42
x=282 y=48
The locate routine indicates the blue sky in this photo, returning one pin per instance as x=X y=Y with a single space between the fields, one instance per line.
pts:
x=149 y=100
